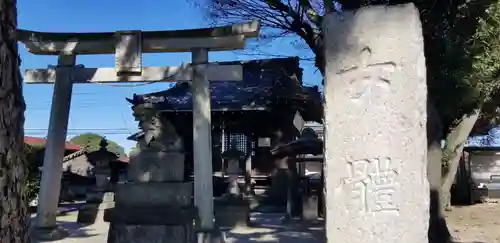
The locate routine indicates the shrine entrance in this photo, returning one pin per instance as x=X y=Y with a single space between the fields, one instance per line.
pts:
x=128 y=47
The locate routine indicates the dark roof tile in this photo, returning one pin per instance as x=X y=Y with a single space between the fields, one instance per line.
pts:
x=264 y=82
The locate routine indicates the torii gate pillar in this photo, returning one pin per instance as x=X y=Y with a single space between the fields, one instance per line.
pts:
x=202 y=139
x=50 y=185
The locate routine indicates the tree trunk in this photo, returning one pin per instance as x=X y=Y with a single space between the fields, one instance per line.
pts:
x=438 y=230
x=14 y=221
x=452 y=152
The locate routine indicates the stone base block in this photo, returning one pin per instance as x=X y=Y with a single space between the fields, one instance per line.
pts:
x=98 y=197
x=156 y=166
x=150 y=215
x=89 y=213
x=210 y=236
x=310 y=208
x=153 y=194
x=108 y=197
x=232 y=213
x=122 y=233
x=48 y=233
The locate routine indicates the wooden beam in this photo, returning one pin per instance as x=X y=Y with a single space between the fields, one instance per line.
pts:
x=224 y=38
x=149 y=74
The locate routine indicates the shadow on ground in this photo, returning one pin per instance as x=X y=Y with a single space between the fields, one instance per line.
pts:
x=68 y=227
x=270 y=228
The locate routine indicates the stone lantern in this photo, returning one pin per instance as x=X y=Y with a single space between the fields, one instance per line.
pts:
x=100 y=196
x=102 y=167
x=232 y=209
x=233 y=157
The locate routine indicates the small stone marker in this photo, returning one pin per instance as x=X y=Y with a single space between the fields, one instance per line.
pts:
x=375 y=113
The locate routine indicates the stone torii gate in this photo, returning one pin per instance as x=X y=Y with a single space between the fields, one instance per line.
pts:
x=128 y=47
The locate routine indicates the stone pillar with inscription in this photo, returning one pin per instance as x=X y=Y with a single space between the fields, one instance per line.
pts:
x=155 y=205
x=100 y=197
x=375 y=117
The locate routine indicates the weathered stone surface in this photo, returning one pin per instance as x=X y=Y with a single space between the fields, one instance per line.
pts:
x=92 y=210
x=102 y=181
x=94 y=196
x=121 y=233
x=310 y=208
x=147 y=215
x=375 y=116
x=87 y=213
x=153 y=194
x=210 y=236
x=231 y=212
x=156 y=166
x=233 y=170
x=98 y=195
x=48 y=233
x=227 y=215
x=108 y=197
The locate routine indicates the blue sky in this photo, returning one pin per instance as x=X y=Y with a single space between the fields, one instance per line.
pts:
x=103 y=109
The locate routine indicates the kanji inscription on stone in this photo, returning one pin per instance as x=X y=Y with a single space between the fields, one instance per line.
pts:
x=371 y=184
x=366 y=76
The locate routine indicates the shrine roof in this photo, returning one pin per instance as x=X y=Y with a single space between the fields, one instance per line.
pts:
x=41 y=141
x=265 y=82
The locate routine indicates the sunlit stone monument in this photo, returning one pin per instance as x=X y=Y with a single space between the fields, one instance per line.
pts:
x=375 y=117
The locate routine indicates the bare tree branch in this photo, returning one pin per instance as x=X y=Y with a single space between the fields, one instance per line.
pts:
x=279 y=19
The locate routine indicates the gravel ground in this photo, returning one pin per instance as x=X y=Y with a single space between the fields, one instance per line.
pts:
x=270 y=229
x=479 y=223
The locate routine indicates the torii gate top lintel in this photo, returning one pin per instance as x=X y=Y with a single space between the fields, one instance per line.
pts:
x=222 y=38
x=128 y=47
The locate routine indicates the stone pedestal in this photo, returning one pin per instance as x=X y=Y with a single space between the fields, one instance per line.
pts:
x=232 y=212
x=94 y=208
x=233 y=169
x=310 y=208
x=48 y=233
x=155 y=204
x=310 y=197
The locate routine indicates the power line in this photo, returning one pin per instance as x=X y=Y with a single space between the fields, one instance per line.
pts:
x=41 y=107
x=125 y=122
x=76 y=133
x=44 y=133
x=81 y=129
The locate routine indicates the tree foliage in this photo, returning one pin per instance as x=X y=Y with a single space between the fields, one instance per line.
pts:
x=91 y=142
x=279 y=18
x=33 y=154
x=485 y=53
x=469 y=70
